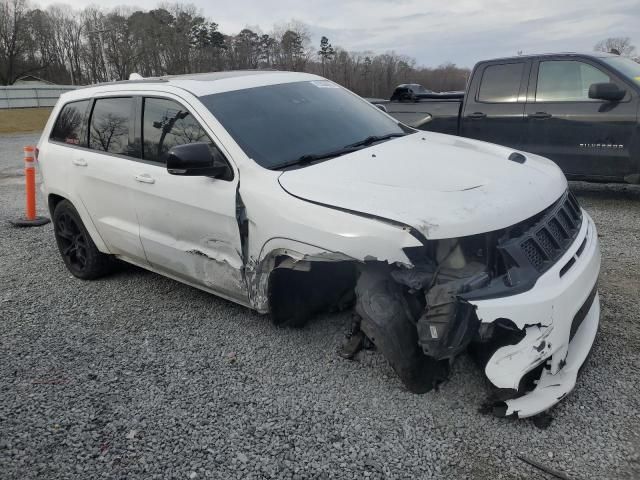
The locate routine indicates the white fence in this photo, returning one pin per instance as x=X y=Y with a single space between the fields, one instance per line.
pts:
x=35 y=96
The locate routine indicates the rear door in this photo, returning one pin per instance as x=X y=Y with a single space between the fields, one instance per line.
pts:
x=494 y=106
x=104 y=173
x=188 y=225
x=586 y=138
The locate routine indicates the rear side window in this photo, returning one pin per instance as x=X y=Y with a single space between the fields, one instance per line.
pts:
x=567 y=81
x=70 y=124
x=110 y=124
x=501 y=83
x=165 y=124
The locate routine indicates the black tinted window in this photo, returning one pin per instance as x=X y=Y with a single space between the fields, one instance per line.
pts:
x=109 y=129
x=70 y=124
x=501 y=83
x=167 y=124
x=277 y=124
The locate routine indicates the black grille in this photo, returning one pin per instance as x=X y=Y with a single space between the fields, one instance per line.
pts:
x=540 y=241
x=550 y=237
x=531 y=247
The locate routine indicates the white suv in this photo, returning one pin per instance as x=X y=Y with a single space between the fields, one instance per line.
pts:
x=287 y=193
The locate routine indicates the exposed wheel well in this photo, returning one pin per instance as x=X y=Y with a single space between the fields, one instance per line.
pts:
x=300 y=289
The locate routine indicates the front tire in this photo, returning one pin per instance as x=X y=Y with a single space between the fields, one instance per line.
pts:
x=385 y=320
x=80 y=254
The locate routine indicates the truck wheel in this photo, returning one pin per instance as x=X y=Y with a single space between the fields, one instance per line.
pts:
x=383 y=308
x=80 y=254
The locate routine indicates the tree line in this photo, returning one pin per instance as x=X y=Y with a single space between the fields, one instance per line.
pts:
x=92 y=45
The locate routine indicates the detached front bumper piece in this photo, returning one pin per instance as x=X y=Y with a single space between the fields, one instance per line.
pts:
x=558 y=319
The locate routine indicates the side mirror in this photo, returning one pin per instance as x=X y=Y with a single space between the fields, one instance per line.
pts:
x=381 y=107
x=606 y=91
x=196 y=159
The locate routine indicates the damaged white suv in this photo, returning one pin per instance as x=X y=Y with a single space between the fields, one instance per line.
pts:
x=291 y=195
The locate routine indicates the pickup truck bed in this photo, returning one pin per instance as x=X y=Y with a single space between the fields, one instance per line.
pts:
x=428 y=114
x=579 y=110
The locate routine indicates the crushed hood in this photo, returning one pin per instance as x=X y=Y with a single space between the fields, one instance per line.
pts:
x=443 y=186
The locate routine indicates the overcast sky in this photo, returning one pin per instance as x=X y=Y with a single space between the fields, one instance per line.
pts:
x=433 y=32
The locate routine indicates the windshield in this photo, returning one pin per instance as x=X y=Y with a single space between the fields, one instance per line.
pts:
x=626 y=66
x=277 y=125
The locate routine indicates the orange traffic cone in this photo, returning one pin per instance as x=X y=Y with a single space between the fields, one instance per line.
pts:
x=30 y=220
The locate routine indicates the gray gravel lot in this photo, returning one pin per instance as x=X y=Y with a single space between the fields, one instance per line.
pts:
x=138 y=376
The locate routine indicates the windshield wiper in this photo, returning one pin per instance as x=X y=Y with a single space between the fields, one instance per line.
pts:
x=312 y=157
x=375 y=138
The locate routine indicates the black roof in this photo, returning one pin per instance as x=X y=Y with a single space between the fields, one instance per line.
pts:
x=564 y=54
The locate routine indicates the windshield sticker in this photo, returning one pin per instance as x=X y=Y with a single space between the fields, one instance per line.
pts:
x=324 y=84
x=637 y=79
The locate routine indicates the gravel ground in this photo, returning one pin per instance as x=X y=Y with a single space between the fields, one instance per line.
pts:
x=138 y=376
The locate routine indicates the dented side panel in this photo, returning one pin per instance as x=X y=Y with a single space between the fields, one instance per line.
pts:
x=189 y=230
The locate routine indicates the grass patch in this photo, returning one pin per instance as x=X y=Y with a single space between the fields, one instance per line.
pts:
x=14 y=120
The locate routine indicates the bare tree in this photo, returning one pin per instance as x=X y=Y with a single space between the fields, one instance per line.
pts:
x=67 y=32
x=13 y=41
x=93 y=45
x=617 y=45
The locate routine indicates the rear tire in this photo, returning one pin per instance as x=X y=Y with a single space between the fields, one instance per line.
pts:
x=80 y=254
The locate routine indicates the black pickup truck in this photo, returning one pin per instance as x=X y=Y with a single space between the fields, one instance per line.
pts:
x=579 y=110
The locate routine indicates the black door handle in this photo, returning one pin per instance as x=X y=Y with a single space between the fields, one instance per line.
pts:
x=476 y=115
x=540 y=115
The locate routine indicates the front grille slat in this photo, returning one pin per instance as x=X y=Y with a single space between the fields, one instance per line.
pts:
x=573 y=212
x=534 y=253
x=548 y=239
x=557 y=231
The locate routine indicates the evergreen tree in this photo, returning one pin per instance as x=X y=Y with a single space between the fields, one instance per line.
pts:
x=326 y=52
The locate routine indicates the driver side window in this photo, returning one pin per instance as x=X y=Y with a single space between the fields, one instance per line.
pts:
x=567 y=81
x=166 y=124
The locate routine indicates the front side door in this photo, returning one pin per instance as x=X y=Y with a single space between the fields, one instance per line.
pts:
x=188 y=224
x=494 y=107
x=585 y=137
x=105 y=176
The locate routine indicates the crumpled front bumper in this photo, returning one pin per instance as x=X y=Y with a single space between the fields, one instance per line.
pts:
x=565 y=295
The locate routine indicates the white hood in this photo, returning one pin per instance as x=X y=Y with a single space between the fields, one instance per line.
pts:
x=442 y=185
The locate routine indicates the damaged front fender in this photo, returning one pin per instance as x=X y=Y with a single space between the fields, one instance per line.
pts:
x=284 y=254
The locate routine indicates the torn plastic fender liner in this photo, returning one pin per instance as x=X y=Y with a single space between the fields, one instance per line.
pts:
x=448 y=323
x=386 y=321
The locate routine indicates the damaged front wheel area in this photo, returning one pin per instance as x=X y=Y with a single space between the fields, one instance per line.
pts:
x=386 y=313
